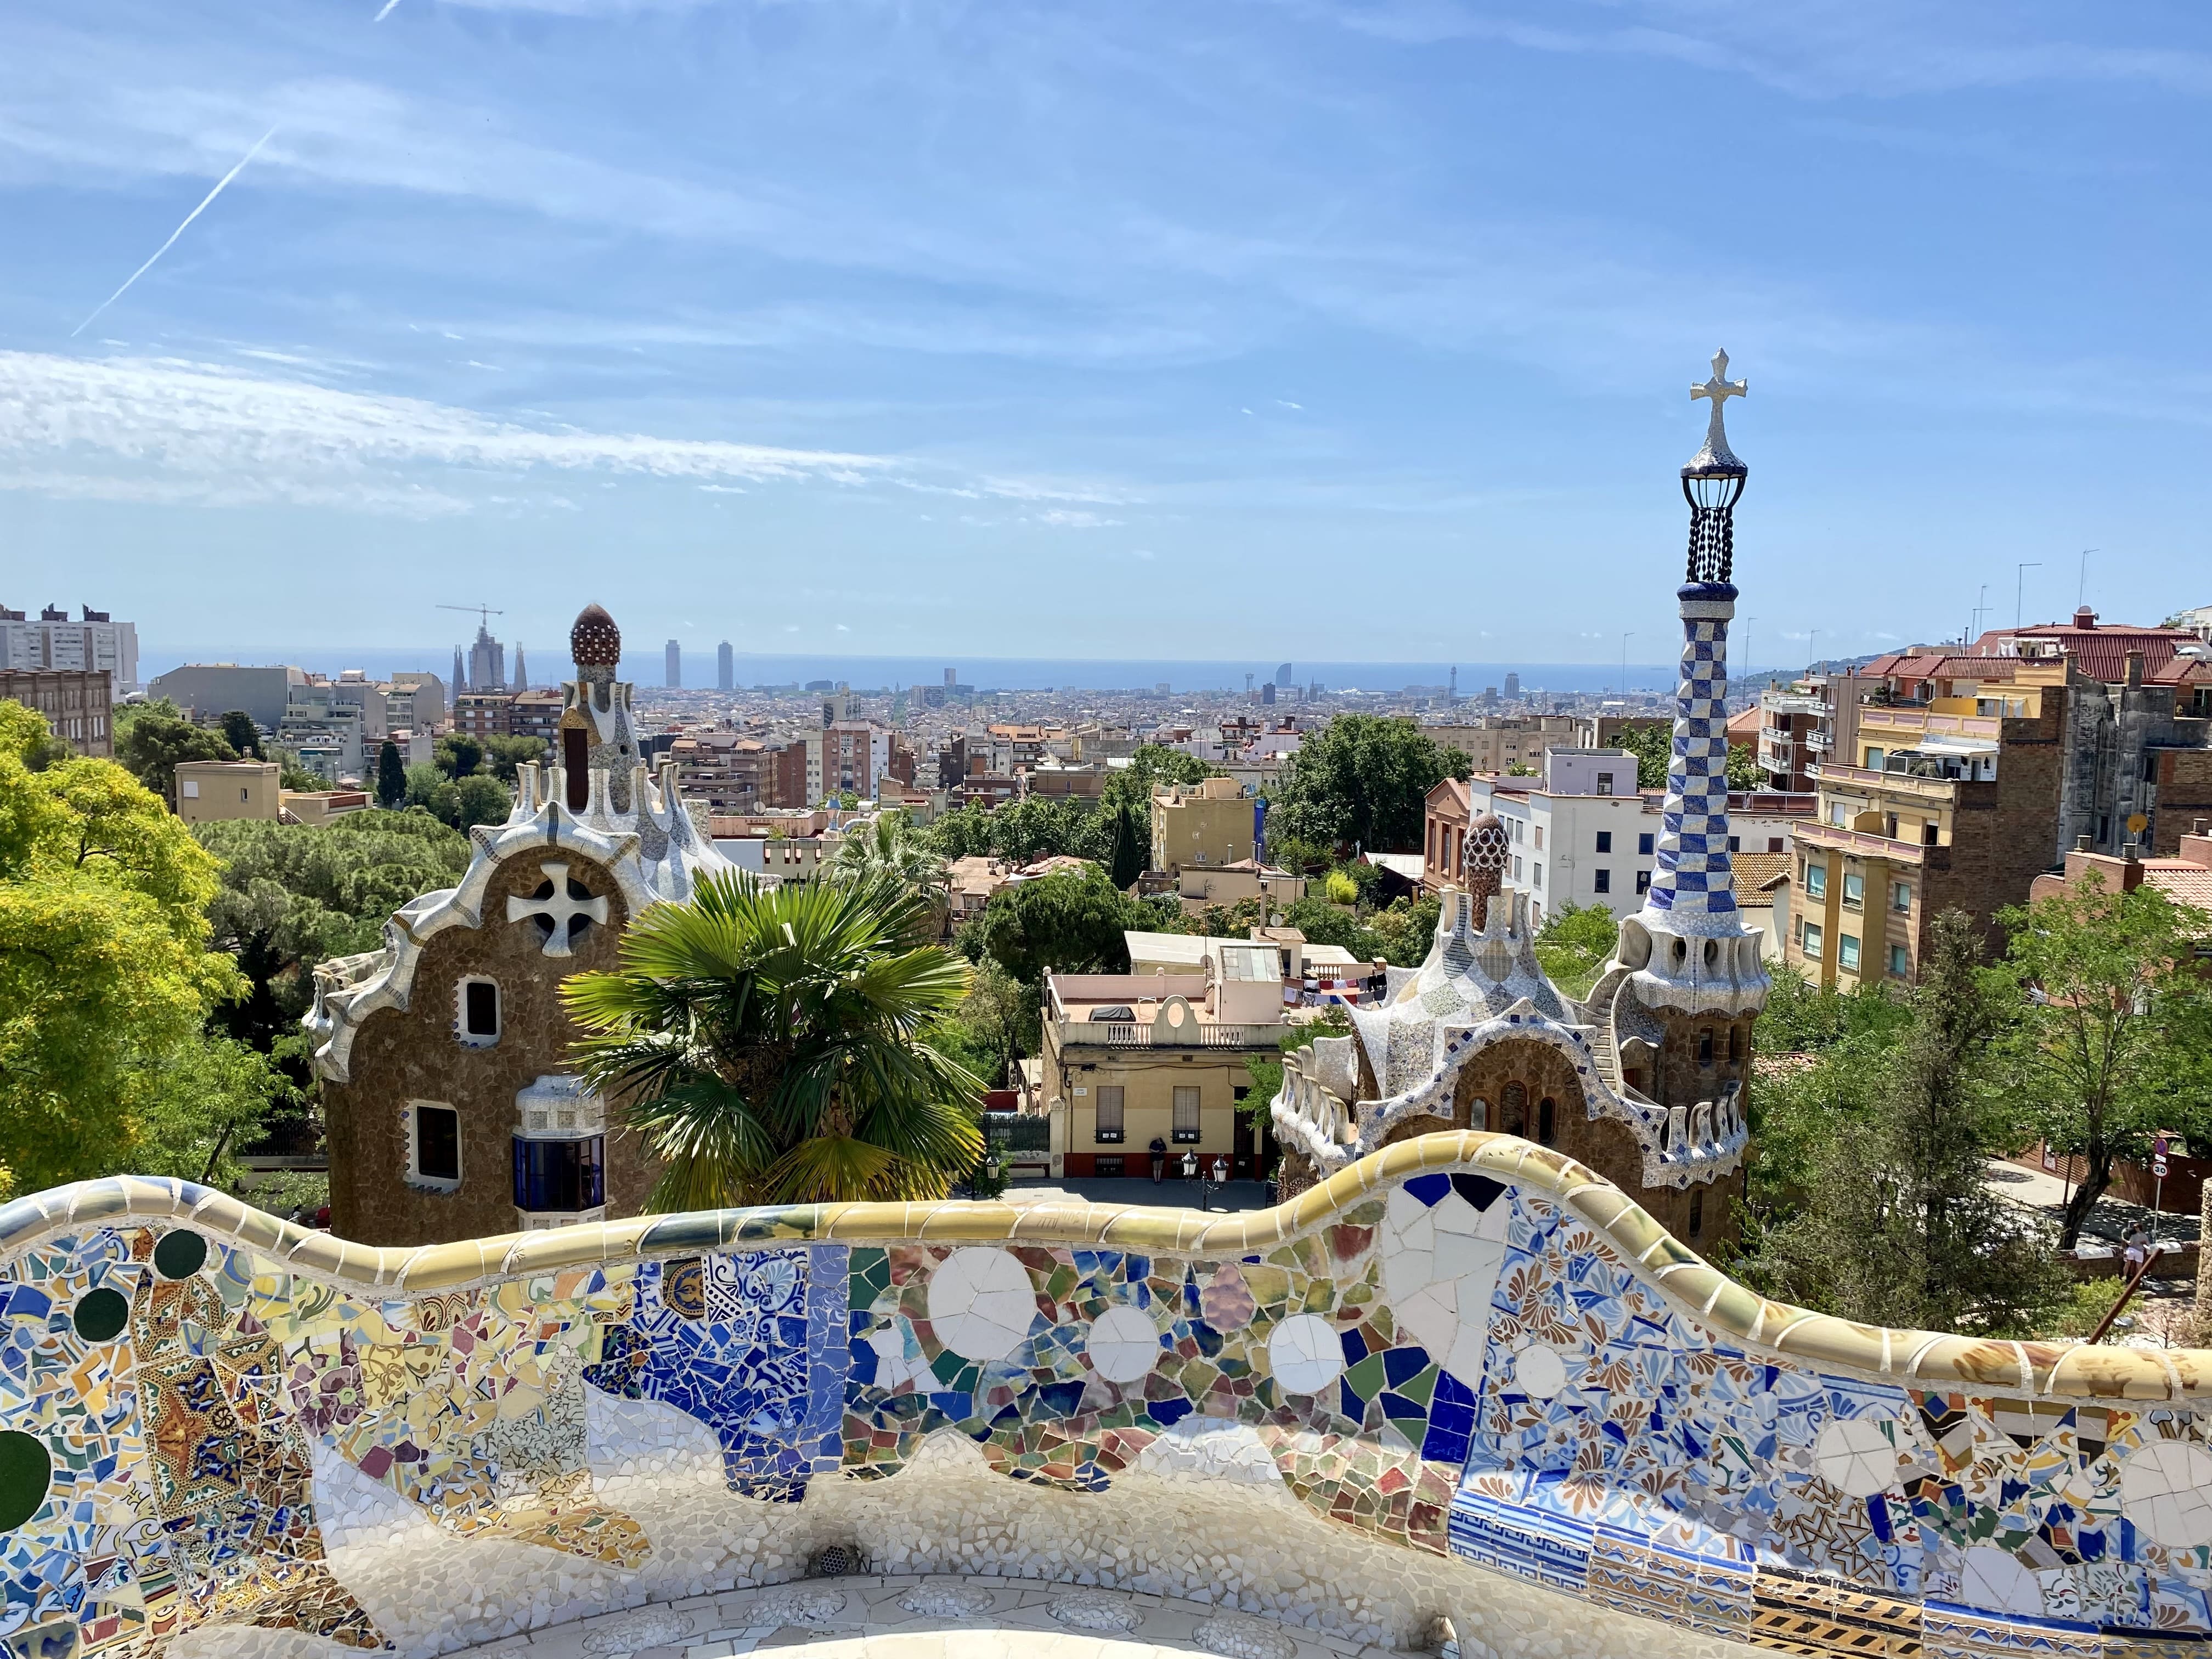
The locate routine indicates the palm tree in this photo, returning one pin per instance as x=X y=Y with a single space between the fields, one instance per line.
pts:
x=890 y=846
x=772 y=1045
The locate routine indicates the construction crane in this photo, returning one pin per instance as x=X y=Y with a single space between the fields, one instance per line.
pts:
x=484 y=613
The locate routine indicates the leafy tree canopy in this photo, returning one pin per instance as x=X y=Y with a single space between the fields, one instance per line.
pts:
x=2113 y=1042
x=239 y=732
x=1362 y=780
x=1891 y=1220
x=151 y=738
x=501 y=756
x=473 y=798
x=106 y=979
x=1070 y=922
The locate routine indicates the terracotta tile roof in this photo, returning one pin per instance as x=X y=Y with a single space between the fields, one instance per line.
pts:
x=2183 y=882
x=2100 y=650
x=1754 y=873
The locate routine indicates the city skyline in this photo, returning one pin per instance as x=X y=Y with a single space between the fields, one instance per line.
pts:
x=1202 y=333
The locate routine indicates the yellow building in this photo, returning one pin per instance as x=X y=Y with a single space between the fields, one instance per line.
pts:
x=1948 y=799
x=210 y=791
x=1208 y=823
x=1135 y=1059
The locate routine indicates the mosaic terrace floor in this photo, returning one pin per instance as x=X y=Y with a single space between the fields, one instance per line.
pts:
x=907 y=1616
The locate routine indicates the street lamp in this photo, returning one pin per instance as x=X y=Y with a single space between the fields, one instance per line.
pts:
x=1712 y=482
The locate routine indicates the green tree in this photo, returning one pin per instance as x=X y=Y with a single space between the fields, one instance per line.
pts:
x=1363 y=779
x=1898 y=1226
x=391 y=777
x=1743 y=770
x=501 y=756
x=1403 y=932
x=480 y=799
x=293 y=895
x=1574 y=945
x=239 y=732
x=457 y=755
x=290 y=775
x=1126 y=858
x=1323 y=923
x=2111 y=1045
x=890 y=848
x=1070 y=922
x=153 y=739
x=772 y=1045
x=106 y=979
x=1000 y=1020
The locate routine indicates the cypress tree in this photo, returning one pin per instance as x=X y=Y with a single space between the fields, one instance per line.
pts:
x=391 y=776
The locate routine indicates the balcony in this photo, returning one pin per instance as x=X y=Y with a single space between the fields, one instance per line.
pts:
x=1075 y=1033
x=1942 y=790
x=1794 y=702
x=1875 y=718
x=1819 y=742
x=1864 y=842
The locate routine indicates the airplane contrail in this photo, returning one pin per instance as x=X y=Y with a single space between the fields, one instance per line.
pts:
x=386 y=12
x=218 y=190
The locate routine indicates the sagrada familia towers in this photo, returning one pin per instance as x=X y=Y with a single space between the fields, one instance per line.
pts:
x=1642 y=1080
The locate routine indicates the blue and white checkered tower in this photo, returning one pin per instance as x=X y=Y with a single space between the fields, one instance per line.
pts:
x=1689 y=945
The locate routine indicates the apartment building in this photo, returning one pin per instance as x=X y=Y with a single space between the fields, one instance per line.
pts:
x=77 y=704
x=1951 y=801
x=1130 y=1059
x=1498 y=742
x=1585 y=835
x=722 y=768
x=535 y=715
x=1208 y=822
x=323 y=725
x=210 y=792
x=847 y=755
x=484 y=713
x=55 y=642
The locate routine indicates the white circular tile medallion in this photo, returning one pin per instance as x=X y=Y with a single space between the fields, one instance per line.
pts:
x=2166 y=1490
x=1855 y=1455
x=1306 y=1353
x=1539 y=1372
x=1123 y=1345
x=981 y=1303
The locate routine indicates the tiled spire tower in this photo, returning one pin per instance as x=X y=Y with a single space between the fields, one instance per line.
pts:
x=1688 y=945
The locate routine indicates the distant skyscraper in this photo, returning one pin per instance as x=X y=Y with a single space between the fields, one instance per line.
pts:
x=1512 y=688
x=1283 y=675
x=1267 y=694
x=726 y=667
x=952 y=678
x=460 y=671
x=674 y=674
x=1452 y=691
x=521 y=673
x=487 y=663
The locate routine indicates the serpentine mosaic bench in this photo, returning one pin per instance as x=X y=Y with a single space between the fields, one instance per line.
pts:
x=1461 y=1377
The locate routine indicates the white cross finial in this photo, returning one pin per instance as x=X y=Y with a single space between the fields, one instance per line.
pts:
x=560 y=911
x=1720 y=389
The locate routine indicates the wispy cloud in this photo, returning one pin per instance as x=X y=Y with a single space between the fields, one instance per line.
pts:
x=203 y=428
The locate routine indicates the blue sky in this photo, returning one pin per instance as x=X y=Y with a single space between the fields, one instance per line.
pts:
x=1322 y=331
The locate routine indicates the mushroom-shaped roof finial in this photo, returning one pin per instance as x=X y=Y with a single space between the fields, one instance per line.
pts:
x=594 y=642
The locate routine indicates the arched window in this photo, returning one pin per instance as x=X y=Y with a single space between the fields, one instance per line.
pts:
x=1513 y=1110
x=576 y=759
x=479 y=1013
x=1697 y=1211
x=1547 y=1126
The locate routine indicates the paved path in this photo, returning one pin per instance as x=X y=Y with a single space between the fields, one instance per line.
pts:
x=909 y=1617
x=1171 y=1194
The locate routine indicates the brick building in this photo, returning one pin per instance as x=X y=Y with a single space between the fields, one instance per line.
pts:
x=443 y=1058
x=484 y=714
x=75 y=702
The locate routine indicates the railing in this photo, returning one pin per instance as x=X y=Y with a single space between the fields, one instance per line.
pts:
x=1793 y=702
x=1903 y=783
x=1120 y=1035
x=1927 y=719
x=1860 y=841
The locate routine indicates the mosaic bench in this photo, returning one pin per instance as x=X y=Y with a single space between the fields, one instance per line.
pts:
x=1461 y=1377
